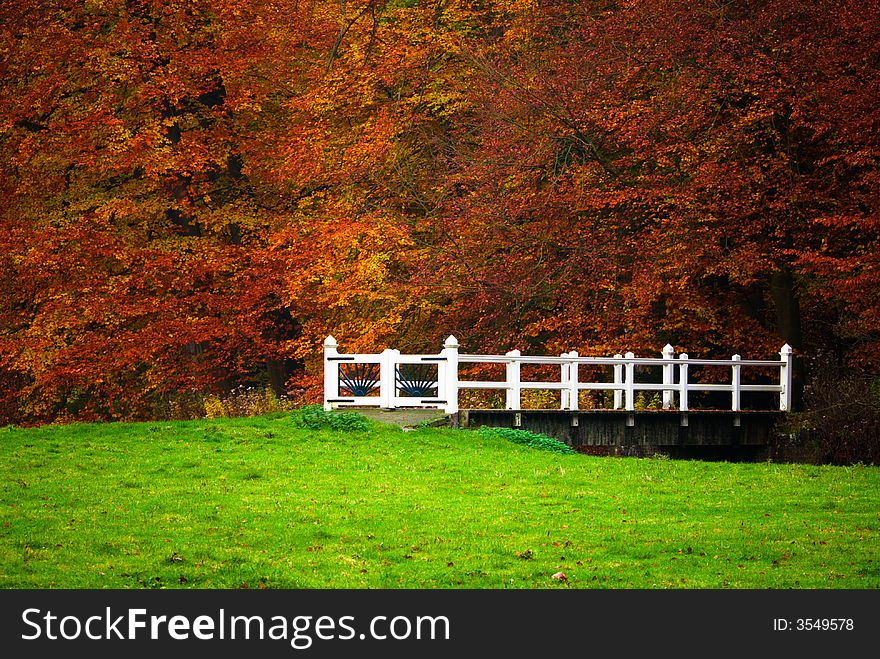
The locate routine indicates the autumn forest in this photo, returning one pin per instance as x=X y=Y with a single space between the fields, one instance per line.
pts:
x=194 y=194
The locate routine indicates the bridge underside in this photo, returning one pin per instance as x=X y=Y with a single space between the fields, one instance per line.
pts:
x=720 y=435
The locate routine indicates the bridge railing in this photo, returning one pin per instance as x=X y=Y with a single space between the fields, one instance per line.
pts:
x=392 y=380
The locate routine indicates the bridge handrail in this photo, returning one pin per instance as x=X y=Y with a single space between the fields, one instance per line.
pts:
x=377 y=379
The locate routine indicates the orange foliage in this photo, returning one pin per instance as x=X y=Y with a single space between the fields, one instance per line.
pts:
x=195 y=194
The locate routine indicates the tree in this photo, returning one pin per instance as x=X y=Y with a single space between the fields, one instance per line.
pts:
x=195 y=194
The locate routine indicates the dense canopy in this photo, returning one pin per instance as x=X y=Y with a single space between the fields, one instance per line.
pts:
x=194 y=194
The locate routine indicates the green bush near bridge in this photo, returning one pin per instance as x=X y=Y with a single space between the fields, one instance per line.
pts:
x=272 y=502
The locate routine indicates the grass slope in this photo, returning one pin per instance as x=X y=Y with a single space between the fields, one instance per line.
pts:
x=262 y=502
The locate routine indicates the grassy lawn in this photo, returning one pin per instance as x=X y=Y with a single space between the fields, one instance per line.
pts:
x=262 y=502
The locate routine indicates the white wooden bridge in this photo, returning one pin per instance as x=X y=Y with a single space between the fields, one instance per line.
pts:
x=392 y=380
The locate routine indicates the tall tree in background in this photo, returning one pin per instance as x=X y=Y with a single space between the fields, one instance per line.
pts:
x=134 y=234
x=195 y=194
x=666 y=171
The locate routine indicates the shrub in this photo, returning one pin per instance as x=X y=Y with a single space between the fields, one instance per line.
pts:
x=176 y=406
x=481 y=399
x=539 y=399
x=315 y=417
x=243 y=401
x=648 y=401
x=526 y=438
x=840 y=423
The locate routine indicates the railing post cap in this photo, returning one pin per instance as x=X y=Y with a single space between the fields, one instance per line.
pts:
x=451 y=342
x=330 y=342
x=668 y=349
x=786 y=349
x=573 y=353
x=736 y=358
x=513 y=353
x=683 y=355
x=630 y=355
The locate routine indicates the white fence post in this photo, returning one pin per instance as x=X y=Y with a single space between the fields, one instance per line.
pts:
x=331 y=372
x=564 y=379
x=668 y=353
x=683 y=382
x=735 y=383
x=387 y=378
x=512 y=398
x=618 y=379
x=785 y=373
x=450 y=351
x=630 y=382
x=573 y=381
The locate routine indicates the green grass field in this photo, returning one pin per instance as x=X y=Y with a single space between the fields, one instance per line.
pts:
x=265 y=502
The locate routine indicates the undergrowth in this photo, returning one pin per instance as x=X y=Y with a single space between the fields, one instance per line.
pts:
x=315 y=417
x=526 y=438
